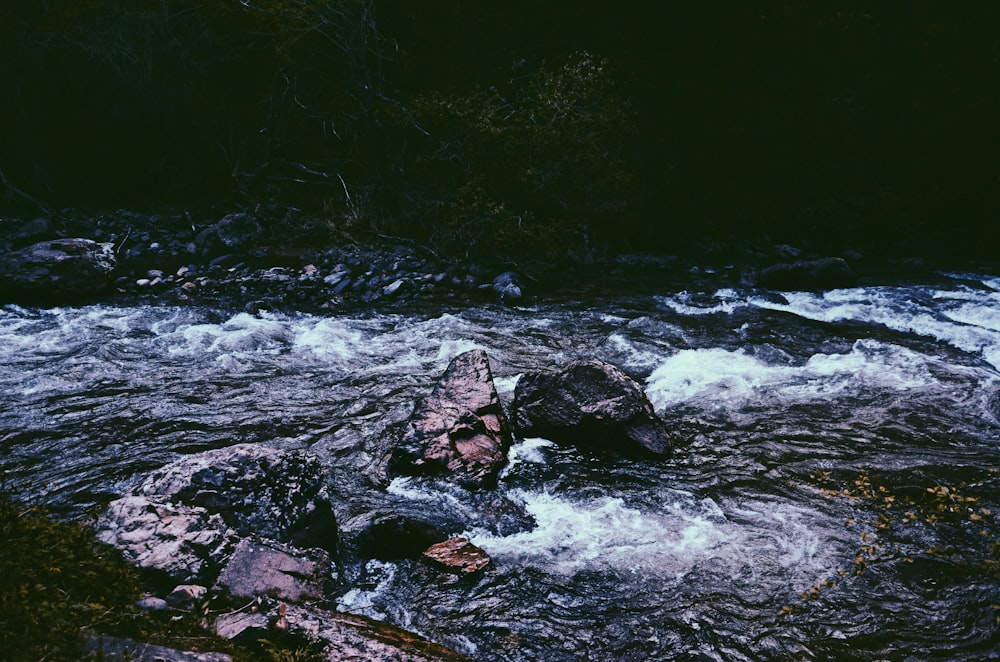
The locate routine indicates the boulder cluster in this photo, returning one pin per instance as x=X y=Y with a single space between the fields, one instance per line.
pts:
x=252 y=532
x=460 y=430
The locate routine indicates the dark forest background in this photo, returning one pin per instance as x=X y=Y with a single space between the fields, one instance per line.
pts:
x=518 y=125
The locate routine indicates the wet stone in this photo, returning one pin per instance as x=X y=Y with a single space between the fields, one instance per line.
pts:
x=458 y=556
x=460 y=431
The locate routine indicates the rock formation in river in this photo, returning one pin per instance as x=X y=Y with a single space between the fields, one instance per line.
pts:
x=460 y=430
x=184 y=520
x=214 y=520
x=56 y=271
x=590 y=403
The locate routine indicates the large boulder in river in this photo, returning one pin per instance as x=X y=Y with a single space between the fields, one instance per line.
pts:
x=808 y=275
x=590 y=403
x=172 y=543
x=460 y=430
x=257 y=491
x=56 y=271
x=184 y=520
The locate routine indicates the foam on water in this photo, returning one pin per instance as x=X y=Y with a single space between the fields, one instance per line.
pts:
x=687 y=303
x=574 y=534
x=966 y=319
x=329 y=338
x=723 y=376
x=683 y=534
x=505 y=385
x=365 y=600
x=526 y=451
x=241 y=334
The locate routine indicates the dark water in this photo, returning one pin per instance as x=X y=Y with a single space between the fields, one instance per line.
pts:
x=833 y=494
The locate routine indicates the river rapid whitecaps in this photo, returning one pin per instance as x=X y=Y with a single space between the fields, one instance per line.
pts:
x=831 y=496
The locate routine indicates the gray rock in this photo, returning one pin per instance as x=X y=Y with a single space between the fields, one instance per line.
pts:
x=32 y=232
x=184 y=520
x=394 y=287
x=175 y=542
x=152 y=603
x=590 y=403
x=56 y=271
x=460 y=430
x=508 y=286
x=256 y=490
x=260 y=567
x=232 y=232
x=187 y=596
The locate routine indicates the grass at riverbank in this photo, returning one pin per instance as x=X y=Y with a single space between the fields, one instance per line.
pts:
x=57 y=584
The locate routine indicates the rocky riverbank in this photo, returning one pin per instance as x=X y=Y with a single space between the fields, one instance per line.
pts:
x=240 y=258
x=258 y=261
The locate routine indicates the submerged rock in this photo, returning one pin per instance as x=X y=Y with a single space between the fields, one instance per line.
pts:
x=822 y=274
x=993 y=404
x=56 y=271
x=460 y=430
x=333 y=636
x=590 y=403
x=393 y=536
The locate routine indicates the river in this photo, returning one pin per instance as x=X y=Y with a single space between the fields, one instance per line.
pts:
x=832 y=494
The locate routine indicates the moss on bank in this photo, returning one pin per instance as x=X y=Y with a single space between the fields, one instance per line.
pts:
x=58 y=584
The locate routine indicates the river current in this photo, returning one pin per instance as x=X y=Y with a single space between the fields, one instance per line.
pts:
x=832 y=494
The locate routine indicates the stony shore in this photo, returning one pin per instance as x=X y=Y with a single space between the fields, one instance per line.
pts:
x=251 y=261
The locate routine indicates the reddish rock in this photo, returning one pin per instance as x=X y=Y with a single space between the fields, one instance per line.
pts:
x=264 y=567
x=457 y=555
x=460 y=430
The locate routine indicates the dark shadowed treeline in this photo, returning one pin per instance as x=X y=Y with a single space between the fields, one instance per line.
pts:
x=518 y=124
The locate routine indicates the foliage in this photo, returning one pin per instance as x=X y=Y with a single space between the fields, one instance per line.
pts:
x=56 y=580
x=516 y=125
x=530 y=164
x=179 y=98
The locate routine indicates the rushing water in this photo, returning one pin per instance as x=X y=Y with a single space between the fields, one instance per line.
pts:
x=832 y=495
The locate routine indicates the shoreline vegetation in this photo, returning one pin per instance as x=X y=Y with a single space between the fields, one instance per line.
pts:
x=517 y=131
x=61 y=586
